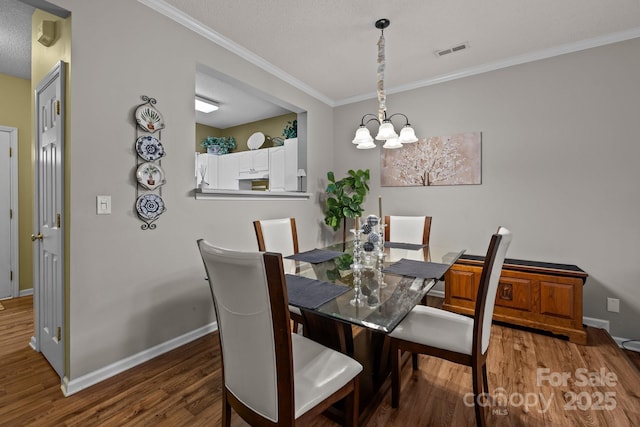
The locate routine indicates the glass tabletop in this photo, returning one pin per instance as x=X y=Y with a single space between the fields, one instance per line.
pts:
x=384 y=298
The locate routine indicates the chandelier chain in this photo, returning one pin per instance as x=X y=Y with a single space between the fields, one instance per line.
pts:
x=382 y=97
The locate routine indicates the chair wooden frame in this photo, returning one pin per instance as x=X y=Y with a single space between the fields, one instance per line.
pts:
x=477 y=360
x=284 y=364
x=257 y=225
x=425 y=234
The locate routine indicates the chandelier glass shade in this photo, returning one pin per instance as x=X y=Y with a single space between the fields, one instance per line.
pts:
x=386 y=130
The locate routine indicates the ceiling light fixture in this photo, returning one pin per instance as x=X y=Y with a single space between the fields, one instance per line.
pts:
x=386 y=132
x=205 y=105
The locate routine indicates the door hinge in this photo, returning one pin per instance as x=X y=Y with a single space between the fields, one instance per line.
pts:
x=10 y=151
x=57 y=106
x=10 y=213
x=59 y=333
x=58 y=220
x=11 y=275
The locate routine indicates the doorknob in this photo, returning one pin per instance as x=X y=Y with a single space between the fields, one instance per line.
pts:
x=36 y=237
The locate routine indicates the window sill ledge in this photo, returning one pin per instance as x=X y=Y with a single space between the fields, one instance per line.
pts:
x=250 y=195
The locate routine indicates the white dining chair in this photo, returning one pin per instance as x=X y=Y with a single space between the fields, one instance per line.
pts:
x=270 y=376
x=407 y=229
x=451 y=336
x=280 y=236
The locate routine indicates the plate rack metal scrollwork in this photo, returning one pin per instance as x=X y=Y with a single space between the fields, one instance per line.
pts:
x=149 y=175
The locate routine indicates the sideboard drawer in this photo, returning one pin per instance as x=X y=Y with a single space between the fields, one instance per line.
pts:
x=514 y=293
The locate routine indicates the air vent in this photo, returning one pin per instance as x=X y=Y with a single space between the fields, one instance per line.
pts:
x=456 y=48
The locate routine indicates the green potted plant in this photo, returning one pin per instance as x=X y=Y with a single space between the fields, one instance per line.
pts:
x=219 y=144
x=345 y=198
x=290 y=130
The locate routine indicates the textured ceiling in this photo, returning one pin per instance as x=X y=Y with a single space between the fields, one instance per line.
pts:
x=15 y=38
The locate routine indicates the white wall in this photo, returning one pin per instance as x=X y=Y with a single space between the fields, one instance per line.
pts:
x=560 y=155
x=132 y=289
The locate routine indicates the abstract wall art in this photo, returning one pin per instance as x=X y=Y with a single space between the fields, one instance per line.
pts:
x=454 y=159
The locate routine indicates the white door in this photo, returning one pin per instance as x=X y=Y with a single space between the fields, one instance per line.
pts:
x=8 y=212
x=48 y=217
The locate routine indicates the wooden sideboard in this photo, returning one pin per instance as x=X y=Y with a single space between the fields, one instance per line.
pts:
x=538 y=295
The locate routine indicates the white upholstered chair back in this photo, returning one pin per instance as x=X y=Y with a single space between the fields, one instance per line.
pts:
x=278 y=235
x=407 y=229
x=494 y=278
x=243 y=310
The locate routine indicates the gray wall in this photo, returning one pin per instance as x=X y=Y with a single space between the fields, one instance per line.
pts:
x=131 y=289
x=560 y=154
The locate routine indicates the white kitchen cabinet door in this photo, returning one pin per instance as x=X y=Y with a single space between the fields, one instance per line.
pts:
x=291 y=164
x=228 y=172
x=277 y=169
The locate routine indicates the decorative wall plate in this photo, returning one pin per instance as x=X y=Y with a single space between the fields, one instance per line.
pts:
x=149 y=118
x=149 y=148
x=150 y=175
x=150 y=206
x=255 y=141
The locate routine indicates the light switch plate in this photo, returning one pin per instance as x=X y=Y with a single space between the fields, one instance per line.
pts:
x=103 y=205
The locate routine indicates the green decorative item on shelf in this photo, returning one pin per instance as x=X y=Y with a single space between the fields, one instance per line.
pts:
x=290 y=130
x=345 y=198
x=219 y=144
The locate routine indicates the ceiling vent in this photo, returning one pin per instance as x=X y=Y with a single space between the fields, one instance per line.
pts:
x=456 y=48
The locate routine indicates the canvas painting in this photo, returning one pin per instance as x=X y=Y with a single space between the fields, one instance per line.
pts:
x=438 y=160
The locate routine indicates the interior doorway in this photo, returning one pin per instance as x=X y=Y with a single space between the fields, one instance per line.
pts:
x=9 y=212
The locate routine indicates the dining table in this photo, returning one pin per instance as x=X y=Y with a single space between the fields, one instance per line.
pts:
x=351 y=307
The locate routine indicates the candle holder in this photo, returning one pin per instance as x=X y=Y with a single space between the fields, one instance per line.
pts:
x=358 y=298
x=373 y=299
x=380 y=255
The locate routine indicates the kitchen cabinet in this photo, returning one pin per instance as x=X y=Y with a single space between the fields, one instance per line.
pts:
x=236 y=171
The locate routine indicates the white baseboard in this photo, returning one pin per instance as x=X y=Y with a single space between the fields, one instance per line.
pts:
x=633 y=345
x=436 y=293
x=70 y=387
x=25 y=292
x=596 y=323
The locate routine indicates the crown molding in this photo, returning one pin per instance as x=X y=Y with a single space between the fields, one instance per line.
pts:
x=509 y=62
x=198 y=27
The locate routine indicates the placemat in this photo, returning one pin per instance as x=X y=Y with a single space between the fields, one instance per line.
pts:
x=311 y=293
x=413 y=268
x=400 y=245
x=315 y=256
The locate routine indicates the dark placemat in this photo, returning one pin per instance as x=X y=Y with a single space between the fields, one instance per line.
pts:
x=311 y=293
x=413 y=268
x=400 y=245
x=315 y=256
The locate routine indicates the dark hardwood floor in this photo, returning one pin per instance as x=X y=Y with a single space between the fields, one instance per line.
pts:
x=182 y=387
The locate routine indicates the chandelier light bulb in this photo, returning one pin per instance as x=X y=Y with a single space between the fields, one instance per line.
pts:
x=392 y=143
x=407 y=135
x=366 y=145
x=386 y=131
x=362 y=135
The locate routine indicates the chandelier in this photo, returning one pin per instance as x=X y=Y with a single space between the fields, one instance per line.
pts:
x=386 y=131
